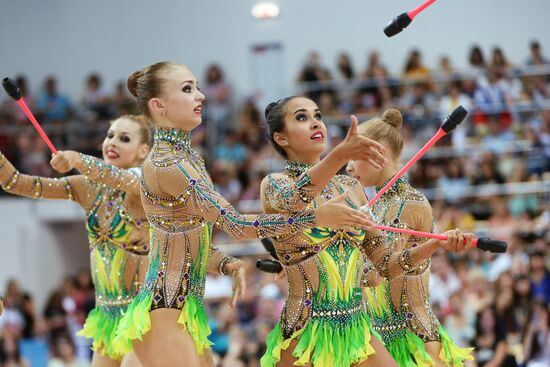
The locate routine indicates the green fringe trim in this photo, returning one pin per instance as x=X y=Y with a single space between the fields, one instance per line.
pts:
x=193 y=319
x=102 y=328
x=321 y=343
x=137 y=322
x=451 y=353
x=134 y=324
x=410 y=351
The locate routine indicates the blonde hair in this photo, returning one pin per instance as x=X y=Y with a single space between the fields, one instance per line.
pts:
x=145 y=130
x=147 y=83
x=385 y=128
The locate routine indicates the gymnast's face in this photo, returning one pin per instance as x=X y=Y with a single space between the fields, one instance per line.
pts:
x=304 y=133
x=122 y=146
x=180 y=105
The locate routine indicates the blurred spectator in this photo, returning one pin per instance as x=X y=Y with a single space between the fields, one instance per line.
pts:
x=455 y=97
x=477 y=61
x=28 y=313
x=490 y=97
x=454 y=184
x=536 y=340
x=12 y=320
x=540 y=277
x=9 y=353
x=85 y=286
x=53 y=110
x=488 y=172
x=523 y=298
x=64 y=354
x=453 y=216
x=445 y=71
x=328 y=104
x=217 y=92
x=540 y=93
x=414 y=68
x=375 y=91
x=231 y=149
x=53 y=105
x=311 y=72
x=536 y=57
x=124 y=104
x=221 y=325
x=514 y=260
x=251 y=190
x=54 y=314
x=95 y=100
x=250 y=127
x=479 y=294
x=217 y=106
x=499 y=62
x=491 y=348
x=417 y=105
x=225 y=180
x=35 y=155
x=345 y=68
x=459 y=326
x=443 y=281
x=345 y=78
x=504 y=305
x=538 y=160
x=14 y=291
x=523 y=204
x=375 y=69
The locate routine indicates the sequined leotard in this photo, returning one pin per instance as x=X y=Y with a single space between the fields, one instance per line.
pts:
x=117 y=233
x=399 y=308
x=182 y=207
x=324 y=270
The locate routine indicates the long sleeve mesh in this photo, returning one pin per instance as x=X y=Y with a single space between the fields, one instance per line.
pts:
x=98 y=171
x=284 y=194
x=36 y=187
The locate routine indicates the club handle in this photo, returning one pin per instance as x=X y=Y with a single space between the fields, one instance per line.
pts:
x=269 y=266
x=454 y=119
x=11 y=88
x=490 y=245
x=397 y=25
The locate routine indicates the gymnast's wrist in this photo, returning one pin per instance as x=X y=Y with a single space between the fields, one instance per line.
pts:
x=339 y=154
x=222 y=266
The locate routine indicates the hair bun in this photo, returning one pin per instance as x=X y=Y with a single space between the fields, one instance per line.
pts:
x=393 y=117
x=269 y=108
x=133 y=82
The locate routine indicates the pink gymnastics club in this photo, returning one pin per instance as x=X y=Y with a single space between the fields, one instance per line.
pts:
x=403 y=20
x=14 y=92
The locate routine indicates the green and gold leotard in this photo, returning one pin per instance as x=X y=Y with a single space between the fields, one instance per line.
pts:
x=399 y=308
x=117 y=232
x=182 y=207
x=322 y=314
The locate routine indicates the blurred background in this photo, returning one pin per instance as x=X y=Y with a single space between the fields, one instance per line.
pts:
x=491 y=176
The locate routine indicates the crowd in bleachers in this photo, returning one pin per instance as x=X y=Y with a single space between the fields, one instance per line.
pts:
x=491 y=176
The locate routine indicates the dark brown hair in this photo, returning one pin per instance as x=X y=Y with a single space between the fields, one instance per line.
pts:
x=275 y=114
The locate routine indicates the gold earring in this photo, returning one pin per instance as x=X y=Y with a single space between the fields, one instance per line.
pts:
x=163 y=112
